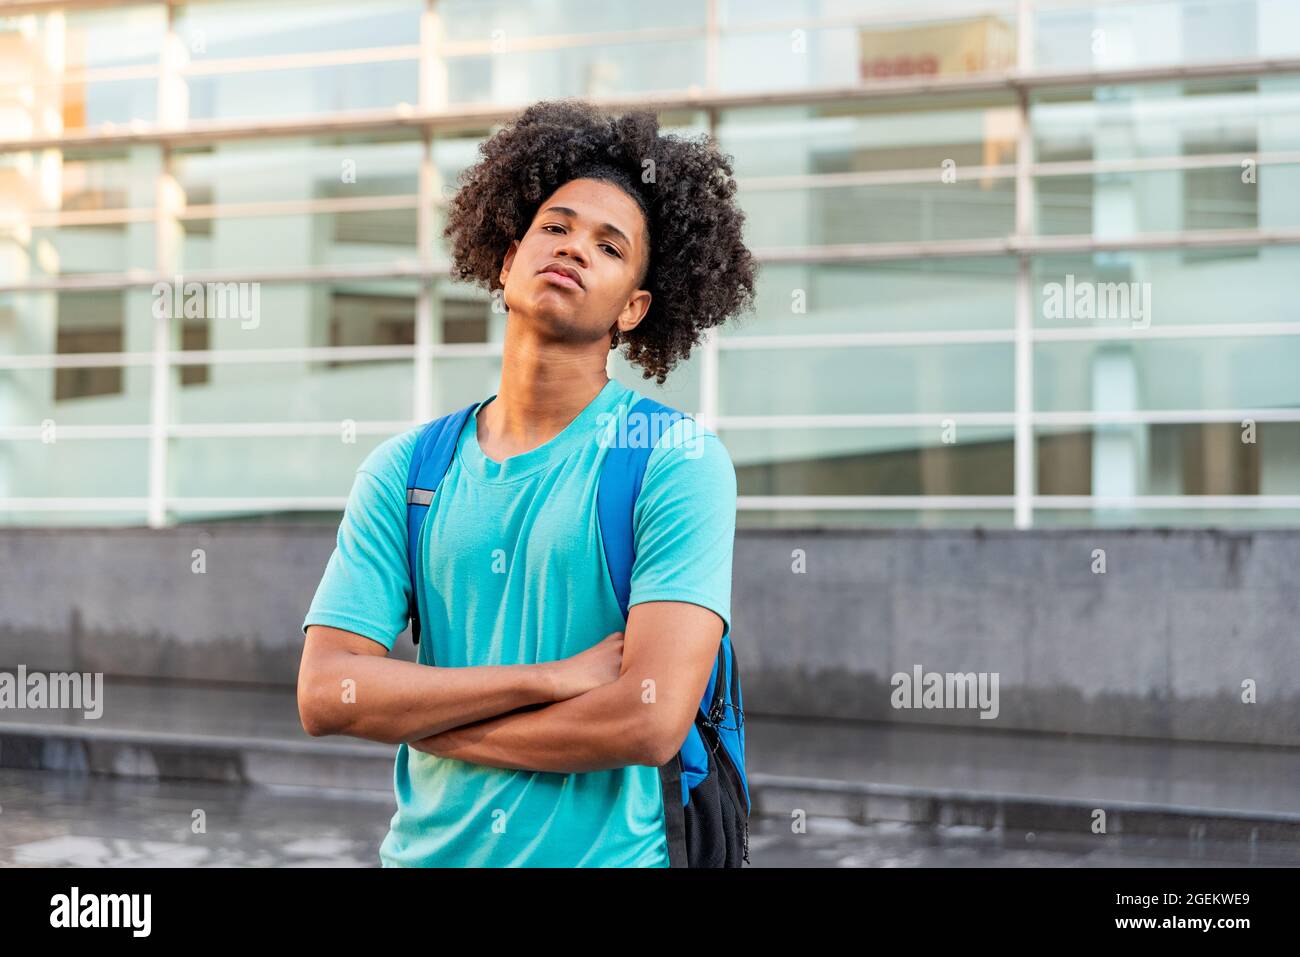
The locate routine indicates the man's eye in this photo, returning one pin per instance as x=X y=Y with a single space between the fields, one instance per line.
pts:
x=612 y=249
x=550 y=226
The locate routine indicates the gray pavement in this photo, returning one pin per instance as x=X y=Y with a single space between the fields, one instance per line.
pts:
x=54 y=819
x=1208 y=776
x=123 y=788
x=57 y=819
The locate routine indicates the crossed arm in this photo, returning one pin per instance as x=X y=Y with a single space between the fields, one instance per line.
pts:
x=641 y=717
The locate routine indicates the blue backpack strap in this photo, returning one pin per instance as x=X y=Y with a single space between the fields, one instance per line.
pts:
x=429 y=462
x=620 y=484
x=621 y=478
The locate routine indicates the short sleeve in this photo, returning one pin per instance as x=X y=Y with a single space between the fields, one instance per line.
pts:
x=685 y=522
x=366 y=586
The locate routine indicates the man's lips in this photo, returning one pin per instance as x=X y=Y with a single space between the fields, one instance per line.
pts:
x=560 y=277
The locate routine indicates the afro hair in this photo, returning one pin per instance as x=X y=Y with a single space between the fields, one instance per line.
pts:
x=699 y=272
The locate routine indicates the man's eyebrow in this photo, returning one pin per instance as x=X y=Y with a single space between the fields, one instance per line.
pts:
x=603 y=228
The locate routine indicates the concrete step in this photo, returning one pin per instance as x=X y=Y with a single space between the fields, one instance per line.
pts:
x=173 y=730
x=1015 y=780
x=864 y=772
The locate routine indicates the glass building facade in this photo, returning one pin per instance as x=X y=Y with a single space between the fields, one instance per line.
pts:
x=1023 y=263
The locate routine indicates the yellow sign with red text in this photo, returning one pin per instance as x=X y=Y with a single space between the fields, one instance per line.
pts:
x=981 y=45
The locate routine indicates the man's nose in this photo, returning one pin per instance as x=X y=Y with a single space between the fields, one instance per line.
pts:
x=570 y=248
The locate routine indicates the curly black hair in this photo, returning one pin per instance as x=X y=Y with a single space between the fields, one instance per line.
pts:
x=698 y=272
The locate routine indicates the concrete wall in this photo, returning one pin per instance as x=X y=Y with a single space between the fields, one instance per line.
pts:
x=1156 y=646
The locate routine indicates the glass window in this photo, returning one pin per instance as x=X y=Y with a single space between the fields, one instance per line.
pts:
x=80 y=69
x=767 y=45
x=318 y=58
x=881 y=379
x=1087 y=35
x=1207 y=155
x=68 y=321
x=33 y=468
x=80 y=395
x=300 y=240
x=287 y=315
x=873 y=136
x=236 y=29
x=609 y=69
x=286 y=466
x=80 y=180
x=467 y=21
x=1257 y=372
x=86 y=210
x=281 y=170
x=1210 y=458
x=1151 y=288
x=235 y=191
x=818 y=215
x=70 y=324
x=910 y=295
x=877 y=461
x=1152 y=120
x=796 y=167
x=48 y=251
x=1117 y=205
x=303 y=91
x=559 y=59
x=307 y=391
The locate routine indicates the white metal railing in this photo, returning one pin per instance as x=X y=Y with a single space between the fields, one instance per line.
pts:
x=752 y=343
x=744 y=503
x=432 y=115
x=425 y=268
x=432 y=119
x=722 y=422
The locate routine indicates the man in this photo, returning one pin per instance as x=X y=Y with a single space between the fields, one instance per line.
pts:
x=531 y=730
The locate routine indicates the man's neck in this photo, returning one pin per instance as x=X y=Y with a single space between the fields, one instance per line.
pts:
x=543 y=388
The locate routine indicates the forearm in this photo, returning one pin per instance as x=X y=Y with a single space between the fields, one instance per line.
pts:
x=604 y=728
x=388 y=700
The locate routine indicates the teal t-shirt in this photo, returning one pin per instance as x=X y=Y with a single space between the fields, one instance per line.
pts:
x=512 y=571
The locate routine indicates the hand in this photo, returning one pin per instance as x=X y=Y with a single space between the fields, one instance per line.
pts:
x=598 y=665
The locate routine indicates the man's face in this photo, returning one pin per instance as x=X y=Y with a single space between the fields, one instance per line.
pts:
x=595 y=232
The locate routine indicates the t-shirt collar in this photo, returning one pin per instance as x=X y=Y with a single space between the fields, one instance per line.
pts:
x=583 y=428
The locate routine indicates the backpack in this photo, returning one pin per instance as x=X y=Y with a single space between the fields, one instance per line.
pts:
x=705 y=787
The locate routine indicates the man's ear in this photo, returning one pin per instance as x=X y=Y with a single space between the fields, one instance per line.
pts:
x=638 y=304
x=505 y=263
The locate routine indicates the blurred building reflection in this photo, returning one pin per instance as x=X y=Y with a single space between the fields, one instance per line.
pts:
x=920 y=178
